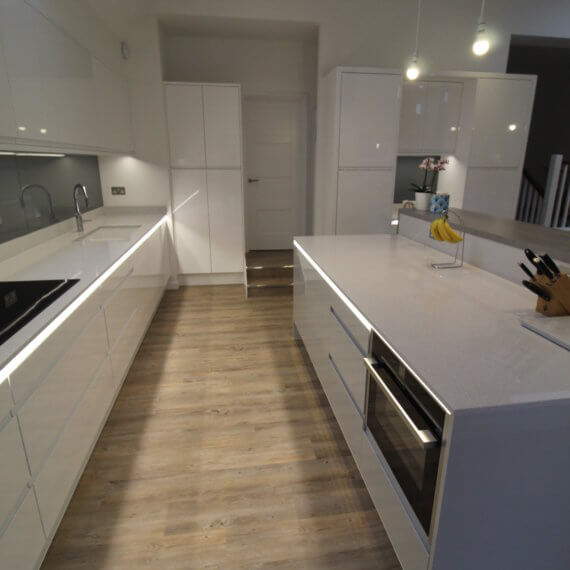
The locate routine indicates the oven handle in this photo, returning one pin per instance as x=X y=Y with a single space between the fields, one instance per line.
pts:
x=424 y=436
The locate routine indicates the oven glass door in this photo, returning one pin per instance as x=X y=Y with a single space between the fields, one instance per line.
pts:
x=405 y=439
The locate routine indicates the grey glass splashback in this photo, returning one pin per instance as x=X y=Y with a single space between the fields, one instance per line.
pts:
x=26 y=207
x=407 y=171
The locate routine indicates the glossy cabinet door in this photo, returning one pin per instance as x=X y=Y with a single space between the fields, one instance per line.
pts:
x=501 y=121
x=412 y=117
x=222 y=120
x=51 y=79
x=7 y=117
x=225 y=201
x=492 y=191
x=64 y=464
x=45 y=412
x=430 y=115
x=23 y=540
x=14 y=472
x=191 y=221
x=443 y=107
x=369 y=119
x=185 y=114
x=365 y=199
x=113 y=107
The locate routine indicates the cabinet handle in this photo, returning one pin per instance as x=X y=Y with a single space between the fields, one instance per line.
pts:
x=251 y=180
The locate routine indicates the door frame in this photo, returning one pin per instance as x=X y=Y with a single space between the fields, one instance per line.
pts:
x=301 y=166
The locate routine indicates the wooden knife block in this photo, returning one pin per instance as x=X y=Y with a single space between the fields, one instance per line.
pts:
x=559 y=304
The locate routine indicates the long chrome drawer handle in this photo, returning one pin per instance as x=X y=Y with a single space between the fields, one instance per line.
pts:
x=424 y=436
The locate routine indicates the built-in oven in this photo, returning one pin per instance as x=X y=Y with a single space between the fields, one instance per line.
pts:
x=406 y=423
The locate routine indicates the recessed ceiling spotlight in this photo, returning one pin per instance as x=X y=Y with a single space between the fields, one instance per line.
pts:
x=43 y=131
x=481 y=44
x=21 y=128
x=512 y=127
x=413 y=71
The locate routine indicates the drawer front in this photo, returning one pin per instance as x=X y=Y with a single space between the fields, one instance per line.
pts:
x=61 y=470
x=118 y=309
x=409 y=547
x=5 y=398
x=45 y=412
x=354 y=328
x=35 y=368
x=349 y=361
x=123 y=351
x=13 y=467
x=346 y=414
x=22 y=542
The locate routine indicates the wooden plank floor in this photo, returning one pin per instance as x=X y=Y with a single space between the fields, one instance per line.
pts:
x=221 y=452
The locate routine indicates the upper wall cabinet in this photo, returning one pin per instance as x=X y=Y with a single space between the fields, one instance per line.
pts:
x=113 y=108
x=7 y=119
x=185 y=113
x=369 y=117
x=57 y=94
x=429 y=119
x=501 y=121
x=222 y=120
x=50 y=77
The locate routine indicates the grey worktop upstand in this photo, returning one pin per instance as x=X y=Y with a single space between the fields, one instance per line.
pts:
x=518 y=234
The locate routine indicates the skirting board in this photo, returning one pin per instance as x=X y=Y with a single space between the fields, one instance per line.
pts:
x=210 y=279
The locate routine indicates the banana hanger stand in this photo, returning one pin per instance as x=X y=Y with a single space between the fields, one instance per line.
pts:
x=457 y=260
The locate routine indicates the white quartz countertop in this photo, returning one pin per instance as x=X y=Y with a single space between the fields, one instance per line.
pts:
x=67 y=257
x=458 y=329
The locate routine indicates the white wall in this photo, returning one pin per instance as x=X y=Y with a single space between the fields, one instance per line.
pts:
x=261 y=66
x=356 y=32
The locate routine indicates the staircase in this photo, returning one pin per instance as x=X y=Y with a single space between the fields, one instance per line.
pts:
x=549 y=206
x=269 y=272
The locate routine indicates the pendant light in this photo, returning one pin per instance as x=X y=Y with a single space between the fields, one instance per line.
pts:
x=413 y=71
x=481 y=44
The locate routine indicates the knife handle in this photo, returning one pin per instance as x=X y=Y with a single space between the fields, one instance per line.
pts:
x=549 y=262
x=536 y=290
x=541 y=266
x=526 y=270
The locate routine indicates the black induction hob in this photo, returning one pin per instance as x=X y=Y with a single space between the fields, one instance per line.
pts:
x=21 y=301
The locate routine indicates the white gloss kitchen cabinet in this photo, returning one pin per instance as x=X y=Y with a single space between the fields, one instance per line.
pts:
x=501 y=121
x=430 y=117
x=56 y=94
x=359 y=161
x=55 y=402
x=204 y=125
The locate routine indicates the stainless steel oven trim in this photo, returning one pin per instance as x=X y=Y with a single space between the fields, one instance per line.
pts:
x=424 y=437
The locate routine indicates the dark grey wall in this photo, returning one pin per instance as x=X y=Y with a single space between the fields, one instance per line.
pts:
x=550 y=126
x=58 y=175
x=407 y=171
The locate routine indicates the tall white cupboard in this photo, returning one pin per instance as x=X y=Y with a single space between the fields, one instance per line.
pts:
x=205 y=134
x=356 y=190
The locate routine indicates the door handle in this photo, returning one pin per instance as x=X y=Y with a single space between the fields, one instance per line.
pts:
x=250 y=180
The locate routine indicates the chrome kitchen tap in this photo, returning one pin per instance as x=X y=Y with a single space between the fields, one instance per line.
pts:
x=78 y=216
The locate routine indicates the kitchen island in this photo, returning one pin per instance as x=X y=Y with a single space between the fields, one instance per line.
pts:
x=501 y=499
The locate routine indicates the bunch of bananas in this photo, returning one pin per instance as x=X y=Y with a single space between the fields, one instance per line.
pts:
x=442 y=231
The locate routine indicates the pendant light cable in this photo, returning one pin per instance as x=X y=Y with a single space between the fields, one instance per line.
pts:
x=418 y=28
x=482 y=14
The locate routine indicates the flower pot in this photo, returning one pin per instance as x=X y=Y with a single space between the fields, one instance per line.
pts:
x=438 y=203
x=422 y=201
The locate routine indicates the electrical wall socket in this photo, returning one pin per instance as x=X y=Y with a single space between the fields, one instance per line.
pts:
x=118 y=190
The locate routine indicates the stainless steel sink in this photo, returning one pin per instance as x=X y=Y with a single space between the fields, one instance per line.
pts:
x=110 y=233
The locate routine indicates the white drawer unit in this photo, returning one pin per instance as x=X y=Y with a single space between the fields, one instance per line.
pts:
x=60 y=473
x=23 y=540
x=14 y=473
x=45 y=412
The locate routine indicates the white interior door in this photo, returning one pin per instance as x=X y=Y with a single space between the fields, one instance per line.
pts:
x=276 y=170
